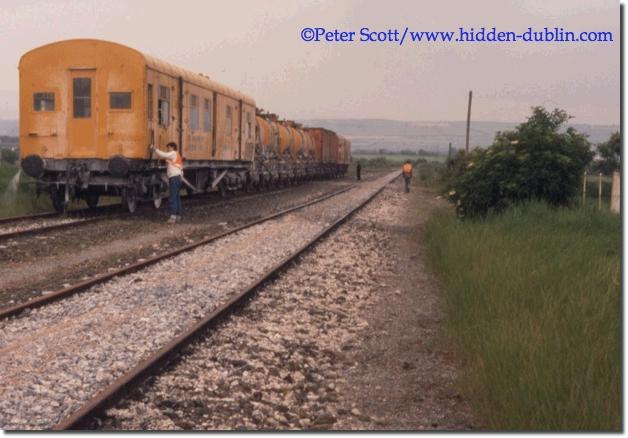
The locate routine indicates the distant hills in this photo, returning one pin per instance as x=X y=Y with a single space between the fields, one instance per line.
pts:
x=395 y=135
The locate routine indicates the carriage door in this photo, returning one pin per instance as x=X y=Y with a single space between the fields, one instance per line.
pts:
x=239 y=133
x=82 y=118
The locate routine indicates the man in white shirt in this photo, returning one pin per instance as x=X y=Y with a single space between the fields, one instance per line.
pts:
x=175 y=172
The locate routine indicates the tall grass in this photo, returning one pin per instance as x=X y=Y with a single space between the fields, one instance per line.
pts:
x=592 y=191
x=24 y=200
x=533 y=299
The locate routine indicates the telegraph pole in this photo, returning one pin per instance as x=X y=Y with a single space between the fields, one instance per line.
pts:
x=468 y=120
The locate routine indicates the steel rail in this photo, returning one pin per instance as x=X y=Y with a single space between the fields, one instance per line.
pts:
x=162 y=357
x=81 y=211
x=104 y=209
x=47 y=228
x=101 y=211
x=10 y=219
x=6 y=312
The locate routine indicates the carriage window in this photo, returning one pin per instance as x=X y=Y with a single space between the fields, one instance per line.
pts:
x=207 y=116
x=120 y=100
x=82 y=88
x=164 y=106
x=149 y=102
x=248 y=122
x=44 y=101
x=229 y=124
x=193 y=112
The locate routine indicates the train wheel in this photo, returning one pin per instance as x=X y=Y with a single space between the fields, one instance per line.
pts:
x=129 y=199
x=156 y=196
x=58 y=200
x=92 y=199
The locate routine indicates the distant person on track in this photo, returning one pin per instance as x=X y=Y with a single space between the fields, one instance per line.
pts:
x=175 y=173
x=407 y=174
x=358 y=171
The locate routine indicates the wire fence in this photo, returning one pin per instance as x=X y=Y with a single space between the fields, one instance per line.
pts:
x=602 y=190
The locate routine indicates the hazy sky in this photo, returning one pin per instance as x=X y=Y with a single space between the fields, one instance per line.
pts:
x=255 y=46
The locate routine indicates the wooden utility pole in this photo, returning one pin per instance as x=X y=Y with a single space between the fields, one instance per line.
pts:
x=469 y=120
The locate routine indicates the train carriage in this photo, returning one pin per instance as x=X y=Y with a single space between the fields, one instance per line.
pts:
x=89 y=109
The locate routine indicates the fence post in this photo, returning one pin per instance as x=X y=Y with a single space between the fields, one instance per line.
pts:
x=599 y=191
x=584 y=187
x=615 y=192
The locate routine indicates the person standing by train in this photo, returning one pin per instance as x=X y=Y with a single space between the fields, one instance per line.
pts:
x=358 y=171
x=175 y=174
x=407 y=174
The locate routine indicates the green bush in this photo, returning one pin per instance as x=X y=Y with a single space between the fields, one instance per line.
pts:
x=9 y=156
x=609 y=154
x=539 y=160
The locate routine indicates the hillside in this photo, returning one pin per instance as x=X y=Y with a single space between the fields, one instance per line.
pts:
x=373 y=134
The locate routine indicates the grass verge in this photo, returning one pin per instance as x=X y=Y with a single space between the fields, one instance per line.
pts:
x=20 y=200
x=533 y=300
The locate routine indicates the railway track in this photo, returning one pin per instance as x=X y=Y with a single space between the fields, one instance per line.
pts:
x=285 y=223
x=79 y=287
x=48 y=222
x=128 y=241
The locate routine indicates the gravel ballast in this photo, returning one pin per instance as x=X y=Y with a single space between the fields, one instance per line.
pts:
x=54 y=358
x=30 y=265
x=335 y=343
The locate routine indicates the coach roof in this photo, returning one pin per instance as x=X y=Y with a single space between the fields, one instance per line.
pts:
x=158 y=65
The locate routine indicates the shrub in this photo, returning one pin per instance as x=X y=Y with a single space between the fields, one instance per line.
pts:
x=9 y=156
x=538 y=160
x=609 y=154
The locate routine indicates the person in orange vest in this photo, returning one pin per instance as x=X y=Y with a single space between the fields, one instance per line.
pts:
x=407 y=174
x=175 y=174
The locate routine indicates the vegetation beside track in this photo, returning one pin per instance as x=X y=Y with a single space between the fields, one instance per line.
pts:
x=19 y=200
x=398 y=158
x=533 y=298
x=532 y=281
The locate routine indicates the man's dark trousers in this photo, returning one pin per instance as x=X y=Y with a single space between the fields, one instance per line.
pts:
x=174 y=200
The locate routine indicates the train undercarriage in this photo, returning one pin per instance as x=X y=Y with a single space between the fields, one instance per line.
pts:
x=136 y=181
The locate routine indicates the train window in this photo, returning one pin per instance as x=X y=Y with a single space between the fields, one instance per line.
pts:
x=44 y=101
x=164 y=106
x=82 y=88
x=119 y=100
x=149 y=102
x=248 y=122
x=228 y=122
x=193 y=112
x=207 y=116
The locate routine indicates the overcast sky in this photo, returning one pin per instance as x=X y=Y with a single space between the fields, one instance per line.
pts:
x=255 y=46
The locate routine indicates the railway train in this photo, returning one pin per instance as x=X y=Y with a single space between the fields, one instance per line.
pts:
x=89 y=109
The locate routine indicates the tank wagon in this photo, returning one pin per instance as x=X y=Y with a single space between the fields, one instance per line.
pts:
x=89 y=109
